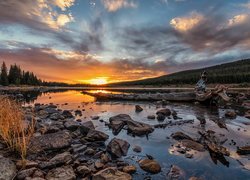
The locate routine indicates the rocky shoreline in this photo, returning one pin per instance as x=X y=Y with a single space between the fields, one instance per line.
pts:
x=66 y=148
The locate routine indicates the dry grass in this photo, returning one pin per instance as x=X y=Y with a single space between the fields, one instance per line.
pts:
x=13 y=130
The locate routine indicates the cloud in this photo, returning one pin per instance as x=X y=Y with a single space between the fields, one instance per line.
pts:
x=64 y=4
x=213 y=33
x=186 y=23
x=114 y=5
x=38 y=14
x=246 y=5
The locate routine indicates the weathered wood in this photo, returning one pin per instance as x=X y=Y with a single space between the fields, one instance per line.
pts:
x=183 y=96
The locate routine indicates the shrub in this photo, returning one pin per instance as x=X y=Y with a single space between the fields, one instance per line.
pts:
x=13 y=130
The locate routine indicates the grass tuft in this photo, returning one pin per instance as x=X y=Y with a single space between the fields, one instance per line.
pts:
x=13 y=130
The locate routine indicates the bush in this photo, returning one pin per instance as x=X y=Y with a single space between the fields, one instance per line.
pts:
x=13 y=130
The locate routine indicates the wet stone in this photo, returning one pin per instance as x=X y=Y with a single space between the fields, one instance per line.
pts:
x=118 y=147
x=150 y=165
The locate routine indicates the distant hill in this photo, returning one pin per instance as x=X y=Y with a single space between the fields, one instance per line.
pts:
x=233 y=72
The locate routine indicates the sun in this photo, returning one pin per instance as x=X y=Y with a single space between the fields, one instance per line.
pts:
x=98 y=81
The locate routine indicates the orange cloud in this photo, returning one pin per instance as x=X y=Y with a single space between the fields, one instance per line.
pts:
x=114 y=5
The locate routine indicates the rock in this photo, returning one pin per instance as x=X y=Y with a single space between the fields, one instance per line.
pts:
x=94 y=135
x=67 y=114
x=188 y=155
x=56 y=116
x=164 y=112
x=138 y=128
x=243 y=150
x=176 y=173
x=7 y=169
x=71 y=125
x=78 y=112
x=86 y=126
x=98 y=165
x=95 y=117
x=137 y=149
x=118 y=147
x=61 y=173
x=151 y=117
x=105 y=158
x=195 y=178
x=150 y=165
x=180 y=136
x=89 y=151
x=129 y=169
x=192 y=145
x=28 y=164
x=53 y=141
x=220 y=150
x=25 y=173
x=118 y=122
x=230 y=114
x=111 y=173
x=161 y=117
x=83 y=170
x=138 y=108
x=58 y=160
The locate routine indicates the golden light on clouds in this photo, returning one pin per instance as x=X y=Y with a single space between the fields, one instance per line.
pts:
x=186 y=23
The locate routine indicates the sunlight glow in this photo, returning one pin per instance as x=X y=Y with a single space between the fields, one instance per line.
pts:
x=98 y=81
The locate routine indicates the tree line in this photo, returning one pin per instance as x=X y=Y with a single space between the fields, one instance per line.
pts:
x=16 y=76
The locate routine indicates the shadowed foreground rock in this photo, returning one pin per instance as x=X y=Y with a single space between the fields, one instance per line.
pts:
x=61 y=173
x=53 y=141
x=7 y=169
x=111 y=173
x=118 y=147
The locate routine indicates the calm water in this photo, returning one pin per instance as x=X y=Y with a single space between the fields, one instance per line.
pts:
x=157 y=144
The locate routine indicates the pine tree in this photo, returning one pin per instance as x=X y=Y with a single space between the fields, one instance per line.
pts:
x=4 y=75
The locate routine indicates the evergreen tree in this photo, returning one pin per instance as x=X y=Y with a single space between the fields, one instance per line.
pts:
x=4 y=75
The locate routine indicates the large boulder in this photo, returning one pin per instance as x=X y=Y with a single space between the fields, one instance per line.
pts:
x=117 y=122
x=61 y=173
x=8 y=169
x=138 y=128
x=118 y=147
x=150 y=165
x=111 y=173
x=53 y=141
x=94 y=135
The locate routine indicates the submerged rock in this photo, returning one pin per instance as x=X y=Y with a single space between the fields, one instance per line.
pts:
x=129 y=169
x=137 y=149
x=176 y=173
x=111 y=173
x=138 y=108
x=150 y=165
x=151 y=117
x=118 y=147
x=230 y=114
x=7 y=169
x=192 y=145
x=53 y=141
x=180 y=136
x=243 y=150
x=61 y=173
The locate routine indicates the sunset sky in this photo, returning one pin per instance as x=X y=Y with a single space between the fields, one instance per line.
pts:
x=93 y=41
